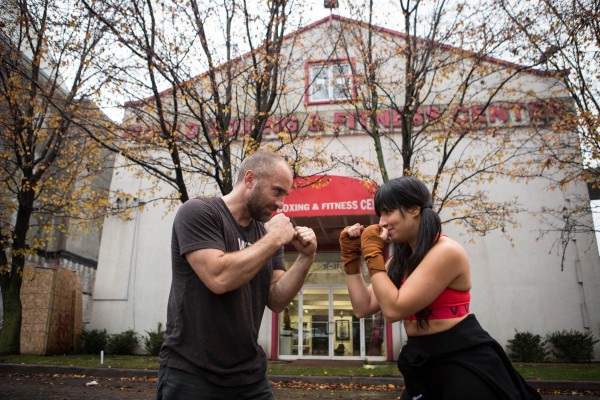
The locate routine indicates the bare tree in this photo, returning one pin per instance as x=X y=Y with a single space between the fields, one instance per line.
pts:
x=564 y=36
x=430 y=95
x=48 y=165
x=205 y=83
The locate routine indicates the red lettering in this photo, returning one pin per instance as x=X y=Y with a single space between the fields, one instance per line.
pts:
x=273 y=124
x=418 y=117
x=536 y=111
x=339 y=119
x=147 y=133
x=396 y=119
x=363 y=115
x=212 y=129
x=191 y=131
x=516 y=108
x=267 y=128
x=291 y=123
x=234 y=127
x=477 y=115
x=389 y=118
x=246 y=126
x=498 y=111
x=132 y=131
x=555 y=110
x=314 y=123
x=461 y=110
x=352 y=117
x=433 y=113
x=351 y=121
x=383 y=118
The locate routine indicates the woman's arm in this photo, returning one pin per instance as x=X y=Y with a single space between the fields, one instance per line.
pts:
x=362 y=298
x=445 y=265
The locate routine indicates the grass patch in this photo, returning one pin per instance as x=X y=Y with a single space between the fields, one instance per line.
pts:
x=560 y=371
x=531 y=371
x=275 y=368
x=90 y=361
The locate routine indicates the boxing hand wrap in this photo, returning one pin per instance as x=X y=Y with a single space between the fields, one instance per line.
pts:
x=351 y=253
x=372 y=248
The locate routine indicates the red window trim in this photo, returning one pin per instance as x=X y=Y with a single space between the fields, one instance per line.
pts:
x=308 y=64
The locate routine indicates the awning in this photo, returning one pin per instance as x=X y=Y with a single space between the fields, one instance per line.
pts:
x=328 y=203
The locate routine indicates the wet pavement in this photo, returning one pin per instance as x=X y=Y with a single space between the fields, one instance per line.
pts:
x=20 y=383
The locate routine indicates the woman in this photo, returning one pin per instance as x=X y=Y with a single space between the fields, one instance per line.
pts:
x=426 y=283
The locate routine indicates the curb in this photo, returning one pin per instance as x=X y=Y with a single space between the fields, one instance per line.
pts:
x=362 y=380
x=106 y=372
x=321 y=379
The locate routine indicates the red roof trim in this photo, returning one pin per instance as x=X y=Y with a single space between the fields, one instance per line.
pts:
x=332 y=17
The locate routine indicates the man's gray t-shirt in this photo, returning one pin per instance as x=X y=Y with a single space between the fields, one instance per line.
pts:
x=215 y=336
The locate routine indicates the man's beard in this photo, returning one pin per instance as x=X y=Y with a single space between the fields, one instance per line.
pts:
x=256 y=206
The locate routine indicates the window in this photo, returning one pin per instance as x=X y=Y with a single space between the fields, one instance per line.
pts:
x=329 y=82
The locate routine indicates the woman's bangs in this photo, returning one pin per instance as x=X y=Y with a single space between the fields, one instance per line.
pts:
x=385 y=200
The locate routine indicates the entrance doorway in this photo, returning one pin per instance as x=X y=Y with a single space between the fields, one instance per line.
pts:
x=319 y=323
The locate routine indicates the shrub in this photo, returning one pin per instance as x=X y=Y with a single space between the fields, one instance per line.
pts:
x=123 y=343
x=154 y=340
x=572 y=346
x=94 y=341
x=527 y=347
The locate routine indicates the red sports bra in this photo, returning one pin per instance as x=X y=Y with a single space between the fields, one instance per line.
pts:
x=449 y=304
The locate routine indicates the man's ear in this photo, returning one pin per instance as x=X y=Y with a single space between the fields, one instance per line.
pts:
x=249 y=179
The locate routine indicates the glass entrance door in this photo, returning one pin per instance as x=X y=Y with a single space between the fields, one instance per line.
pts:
x=315 y=316
x=319 y=323
x=346 y=328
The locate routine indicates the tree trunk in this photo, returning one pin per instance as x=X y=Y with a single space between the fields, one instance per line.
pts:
x=10 y=336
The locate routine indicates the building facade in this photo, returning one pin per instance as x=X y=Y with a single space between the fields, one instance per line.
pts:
x=521 y=282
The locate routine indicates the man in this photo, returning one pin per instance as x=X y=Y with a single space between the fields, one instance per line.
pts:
x=227 y=265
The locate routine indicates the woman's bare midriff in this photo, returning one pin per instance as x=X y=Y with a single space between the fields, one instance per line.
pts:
x=435 y=326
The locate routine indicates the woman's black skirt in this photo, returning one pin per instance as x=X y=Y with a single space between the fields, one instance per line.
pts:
x=464 y=362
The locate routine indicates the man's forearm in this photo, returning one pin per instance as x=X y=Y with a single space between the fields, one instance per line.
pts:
x=290 y=283
x=224 y=272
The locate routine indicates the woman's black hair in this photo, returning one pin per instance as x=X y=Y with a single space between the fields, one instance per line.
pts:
x=401 y=194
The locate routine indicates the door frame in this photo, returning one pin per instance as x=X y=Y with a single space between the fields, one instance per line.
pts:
x=331 y=331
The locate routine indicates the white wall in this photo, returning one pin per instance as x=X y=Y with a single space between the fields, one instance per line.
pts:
x=134 y=273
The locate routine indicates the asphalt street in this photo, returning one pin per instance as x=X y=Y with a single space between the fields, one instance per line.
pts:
x=64 y=385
